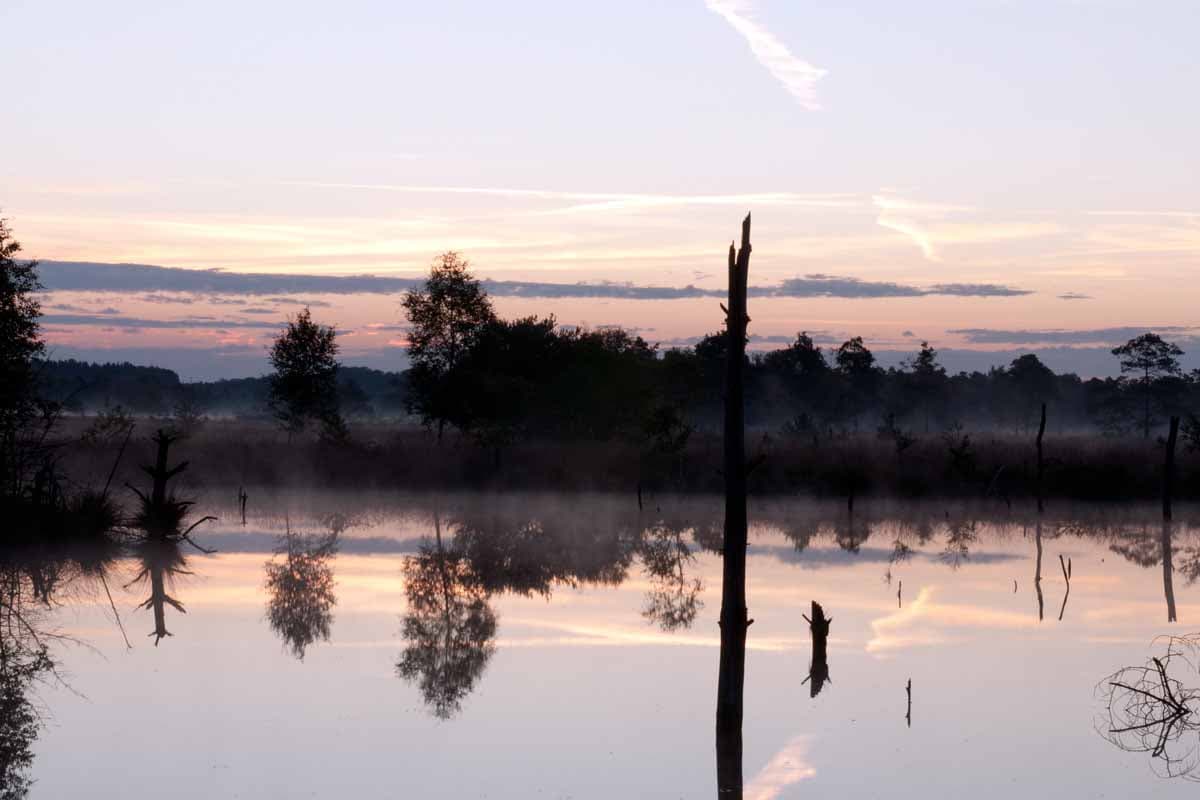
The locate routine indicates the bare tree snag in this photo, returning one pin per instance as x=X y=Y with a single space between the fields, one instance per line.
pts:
x=1041 y=489
x=734 y=619
x=1168 y=487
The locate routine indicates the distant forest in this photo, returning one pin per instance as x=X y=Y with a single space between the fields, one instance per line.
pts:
x=529 y=378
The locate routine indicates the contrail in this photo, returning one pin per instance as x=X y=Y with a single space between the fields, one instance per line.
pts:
x=797 y=75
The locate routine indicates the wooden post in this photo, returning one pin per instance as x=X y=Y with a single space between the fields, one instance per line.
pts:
x=908 y=691
x=242 y=498
x=1168 y=486
x=1041 y=503
x=818 y=670
x=734 y=619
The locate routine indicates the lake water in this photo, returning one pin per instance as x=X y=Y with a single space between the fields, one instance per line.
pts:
x=547 y=646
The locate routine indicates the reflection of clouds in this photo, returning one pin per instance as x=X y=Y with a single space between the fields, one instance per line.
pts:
x=600 y=633
x=920 y=622
x=786 y=767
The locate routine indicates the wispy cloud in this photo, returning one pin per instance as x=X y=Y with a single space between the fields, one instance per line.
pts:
x=797 y=75
x=607 y=201
x=184 y=323
x=123 y=278
x=1064 y=337
x=908 y=217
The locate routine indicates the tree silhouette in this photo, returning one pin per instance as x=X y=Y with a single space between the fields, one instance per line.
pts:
x=856 y=366
x=20 y=347
x=1152 y=359
x=449 y=628
x=300 y=596
x=304 y=386
x=928 y=379
x=446 y=317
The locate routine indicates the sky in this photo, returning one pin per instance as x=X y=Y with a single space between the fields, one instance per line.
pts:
x=990 y=175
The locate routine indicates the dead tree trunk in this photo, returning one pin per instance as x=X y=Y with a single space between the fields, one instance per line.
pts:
x=1041 y=490
x=818 y=670
x=159 y=473
x=1168 y=486
x=734 y=620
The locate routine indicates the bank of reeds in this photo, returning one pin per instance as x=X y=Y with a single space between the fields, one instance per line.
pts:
x=388 y=456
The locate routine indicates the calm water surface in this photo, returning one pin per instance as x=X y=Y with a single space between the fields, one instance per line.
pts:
x=566 y=647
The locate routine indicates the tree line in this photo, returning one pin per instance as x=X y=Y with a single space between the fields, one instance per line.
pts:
x=498 y=381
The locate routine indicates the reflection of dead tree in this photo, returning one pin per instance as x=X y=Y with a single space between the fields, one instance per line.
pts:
x=300 y=590
x=818 y=668
x=908 y=691
x=673 y=600
x=1066 y=571
x=1168 y=568
x=1037 y=575
x=1149 y=710
x=729 y=764
x=161 y=561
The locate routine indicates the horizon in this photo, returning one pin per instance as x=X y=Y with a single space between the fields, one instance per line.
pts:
x=894 y=198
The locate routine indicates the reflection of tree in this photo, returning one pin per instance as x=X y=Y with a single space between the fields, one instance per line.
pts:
x=1146 y=551
x=851 y=532
x=673 y=599
x=449 y=628
x=24 y=660
x=900 y=554
x=1138 y=548
x=958 y=542
x=161 y=560
x=1150 y=710
x=300 y=595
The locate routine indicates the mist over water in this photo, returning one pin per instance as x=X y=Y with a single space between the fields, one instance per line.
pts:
x=524 y=645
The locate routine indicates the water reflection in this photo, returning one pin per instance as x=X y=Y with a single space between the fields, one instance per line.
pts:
x=480 y=557
x=161 y=562
x=818 y=666
x=449 y=627
x=673 y=600
x=1168 y=569
x=24 y=661
x=300 y=596
x=1151 y=708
